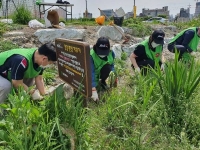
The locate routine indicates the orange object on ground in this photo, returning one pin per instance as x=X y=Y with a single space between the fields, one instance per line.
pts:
x=111 y=23
x=100 y=20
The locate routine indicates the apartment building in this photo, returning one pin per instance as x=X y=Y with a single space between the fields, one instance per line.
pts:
x=156 y=12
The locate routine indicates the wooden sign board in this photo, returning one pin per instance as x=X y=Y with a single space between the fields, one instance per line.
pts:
x=74 y=64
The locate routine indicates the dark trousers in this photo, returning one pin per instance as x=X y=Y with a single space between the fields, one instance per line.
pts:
x=180 y=49
x=145 y=64
x=104 y=73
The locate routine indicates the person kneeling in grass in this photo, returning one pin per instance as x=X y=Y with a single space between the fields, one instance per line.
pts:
x=186 y=43
x=148 y=52
x=102 y=65
x=23 y=68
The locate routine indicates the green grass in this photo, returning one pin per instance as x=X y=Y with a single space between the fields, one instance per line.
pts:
x=4 y=27
x=7 y=45
x=136 y=116
x=157 y=111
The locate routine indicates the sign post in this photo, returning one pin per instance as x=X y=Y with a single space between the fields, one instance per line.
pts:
x=74 y=64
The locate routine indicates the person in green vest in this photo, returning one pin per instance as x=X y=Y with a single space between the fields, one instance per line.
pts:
x=186 y=42
x=102 y=64
x=148 y=52
x=23 y=68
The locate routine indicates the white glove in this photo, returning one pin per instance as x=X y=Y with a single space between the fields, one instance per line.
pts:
x=162 y=67
x=137 y=69
x=95 y=96
x=36 y=95
x=193 y=54
x=50 y=90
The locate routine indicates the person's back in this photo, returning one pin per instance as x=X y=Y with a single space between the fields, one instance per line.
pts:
x=185 y=41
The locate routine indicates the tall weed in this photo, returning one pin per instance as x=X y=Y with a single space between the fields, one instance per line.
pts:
x=22 y=15
x=177 y=87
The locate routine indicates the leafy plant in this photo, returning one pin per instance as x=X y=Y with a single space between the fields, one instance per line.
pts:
x=22 y=15
x=3 y=28
x=124 y=56
x=49 y=75
x=7 y=45
x=177 y=87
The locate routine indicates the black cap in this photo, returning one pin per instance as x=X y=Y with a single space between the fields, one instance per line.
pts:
x=102 y=46
x=158 y=36
x=48 y=49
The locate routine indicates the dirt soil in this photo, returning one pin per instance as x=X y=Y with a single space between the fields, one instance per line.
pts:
x=90 y=37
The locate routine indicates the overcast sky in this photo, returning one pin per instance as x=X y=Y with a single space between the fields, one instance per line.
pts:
x=93 y=5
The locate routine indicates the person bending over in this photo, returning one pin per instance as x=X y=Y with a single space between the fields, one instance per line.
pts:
x=148 y=52
x=23 y=68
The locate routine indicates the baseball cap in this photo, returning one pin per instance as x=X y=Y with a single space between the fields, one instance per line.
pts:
x=158 y=36
x=102 y=46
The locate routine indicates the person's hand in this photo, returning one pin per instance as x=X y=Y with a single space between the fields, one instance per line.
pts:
x=36 y=95
x=162 y=67
x=195 y=54
x=137 y=70
x=95 y=96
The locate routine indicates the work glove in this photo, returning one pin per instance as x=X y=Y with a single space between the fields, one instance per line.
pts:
x=95 y=96
x=193 y=54
x=50 y=91
x=36 y=95
x=137 y=70
x=162 y=67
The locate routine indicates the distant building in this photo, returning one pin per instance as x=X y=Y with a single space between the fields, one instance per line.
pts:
x=156 y=12
x=185 y=13
x=29 y=4
x=89 y=15
x=108 y=12
x=129 y=15
x=197 y=9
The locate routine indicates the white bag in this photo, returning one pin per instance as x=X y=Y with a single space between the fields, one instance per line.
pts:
x=35 y=24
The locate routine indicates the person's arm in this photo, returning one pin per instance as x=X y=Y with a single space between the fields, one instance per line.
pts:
x=133 y=60
x=92 y=73
x=112 y=65
x=162 y=58
x=19 y=83
x=18 y=67
x=138 y=52
x=187 y=37
x=39 y=82
x=94 y=96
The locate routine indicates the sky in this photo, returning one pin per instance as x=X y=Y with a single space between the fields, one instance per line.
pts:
x=93 y=5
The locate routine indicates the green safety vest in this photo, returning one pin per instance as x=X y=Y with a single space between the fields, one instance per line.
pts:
x=154 y=55
x=28 y=54
x=99 y=63
x=193 y=43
